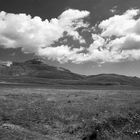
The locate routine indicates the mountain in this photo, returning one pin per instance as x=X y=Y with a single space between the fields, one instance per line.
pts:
x=37 y=68
x=36 y=71
x=113 y=79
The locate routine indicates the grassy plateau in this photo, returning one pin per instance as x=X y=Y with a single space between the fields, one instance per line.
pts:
x=35 y=113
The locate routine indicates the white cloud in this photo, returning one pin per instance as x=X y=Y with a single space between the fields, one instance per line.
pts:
x=114 y=9
x=61 y=53
x=118 y=39
x=119 y=25
x=32 y=34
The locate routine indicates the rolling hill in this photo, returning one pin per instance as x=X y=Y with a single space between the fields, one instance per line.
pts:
x=36 y=71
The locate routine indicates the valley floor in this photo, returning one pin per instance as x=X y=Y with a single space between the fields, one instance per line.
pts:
x=29 y=113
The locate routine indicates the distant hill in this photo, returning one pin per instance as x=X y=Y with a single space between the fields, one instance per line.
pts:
x=36 y=71
x=37 y=68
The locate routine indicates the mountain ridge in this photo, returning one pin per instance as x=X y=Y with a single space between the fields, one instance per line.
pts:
x=36 y=71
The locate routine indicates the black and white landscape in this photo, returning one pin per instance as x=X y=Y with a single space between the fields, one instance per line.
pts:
x=70 y=70
x=37 y=72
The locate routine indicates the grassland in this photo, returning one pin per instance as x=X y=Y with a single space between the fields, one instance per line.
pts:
x=59 y=114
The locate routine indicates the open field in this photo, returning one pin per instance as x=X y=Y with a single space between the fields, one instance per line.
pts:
x=59 y=114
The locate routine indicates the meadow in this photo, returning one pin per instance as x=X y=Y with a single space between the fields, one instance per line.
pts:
x=39 y=113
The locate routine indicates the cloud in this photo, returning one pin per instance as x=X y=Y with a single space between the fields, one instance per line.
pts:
x=118 y=39
x=119 y=25
x=122 y=36
x=33 y=34
x=114 y=9
x=62 y=53
x=115 y=39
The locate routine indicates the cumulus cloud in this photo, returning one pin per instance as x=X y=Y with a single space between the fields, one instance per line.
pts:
x=33 y=34
x=62 y=53
x=119 y=25
x=118 y=39
x=121 y=34
x=113 y=40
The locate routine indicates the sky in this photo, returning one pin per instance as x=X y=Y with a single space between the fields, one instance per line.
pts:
x=85 y=36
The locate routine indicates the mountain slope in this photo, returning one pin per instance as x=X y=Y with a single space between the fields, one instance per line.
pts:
x=113 y=79
x=36 y=71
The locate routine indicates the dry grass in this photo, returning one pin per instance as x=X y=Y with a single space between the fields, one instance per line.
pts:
x=56 y=114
